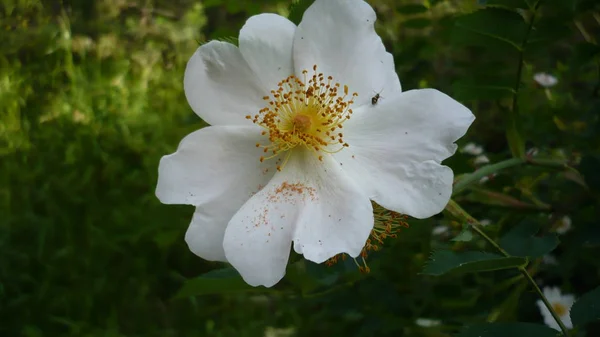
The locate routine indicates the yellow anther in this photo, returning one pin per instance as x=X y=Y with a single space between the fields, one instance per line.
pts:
x=295 y=109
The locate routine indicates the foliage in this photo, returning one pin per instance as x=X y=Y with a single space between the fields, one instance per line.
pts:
x=91 y=98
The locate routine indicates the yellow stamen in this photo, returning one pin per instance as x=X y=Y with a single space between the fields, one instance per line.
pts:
x=560 y=309
x=304 y=113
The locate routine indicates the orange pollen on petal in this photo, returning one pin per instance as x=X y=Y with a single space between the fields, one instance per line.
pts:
x=287 y=192
x=304 y=112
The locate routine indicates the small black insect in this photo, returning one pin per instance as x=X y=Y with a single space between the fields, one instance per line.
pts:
x=376 y=98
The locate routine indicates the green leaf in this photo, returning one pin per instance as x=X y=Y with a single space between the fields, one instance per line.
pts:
x=485 y=26
x=520 y=241
x=489 y=197
x=297 y=9
x=514 y=137
x=298 y=275
x=512 y=4
x=507 y=329
x=587 y=308
x=465 y=235
x=466 y=91
x=589 y=167
x=545 y=34
x=588 y=234
x=412 y=9
x=508 y=309
x=445 y=261
x=166 y=238
x=229 y=39
x=417 y=23
x=584 y=53
x=587 y=5
x=221 y=281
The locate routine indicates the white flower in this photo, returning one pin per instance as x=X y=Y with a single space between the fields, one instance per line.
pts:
x=472 y=149
x=293 y=157
x=480 y=160
x=561 y=305
x=485 y=179
x=564 y=225
x=439 y=230
x=279 y=332
x=545 y=80
x=485 y=222
x=549 y=259
x=532 y=152
x=427 y=322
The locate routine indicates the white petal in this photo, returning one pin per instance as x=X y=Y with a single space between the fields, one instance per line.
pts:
x=220 y=86
x=480 y=160
x=339 y=37
x=396 y=148
x=564 y=225
x=568 y=300
x=439 y=230
x=259 y=236
x=545 y=80
x=309 y=202
x=547 y=316
x=473 y=149
x=338 y=219
x=215 y=163
x=552 y=293
x=205 y=234
x=566 y=319
x=266 y=43
x=427 y=322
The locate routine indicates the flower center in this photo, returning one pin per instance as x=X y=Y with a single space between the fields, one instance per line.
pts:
x=560 y=309
x=307 y=113
x=302 y=122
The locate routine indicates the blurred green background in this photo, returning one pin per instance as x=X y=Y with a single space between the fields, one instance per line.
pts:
x=91 y=97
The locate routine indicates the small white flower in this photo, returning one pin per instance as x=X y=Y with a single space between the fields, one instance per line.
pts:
x=427 y=322
x=545 y=80
x=439 y=230
x=485 y=179
x=564 y=225
x=532 y=152
x=480 y=160
x=280 y=332
x=485 y=222
x=560 y=153
x=549 y=259
x=298 y=149
x=561 y=305
x=472 y=149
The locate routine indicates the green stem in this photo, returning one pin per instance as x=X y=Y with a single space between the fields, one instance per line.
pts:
x=552 y=163
x=488 y=239
x=492 y=198
x=545 y=300
x=513 y=135
x=458 y=212
x=462 y=183
x=485 y=171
